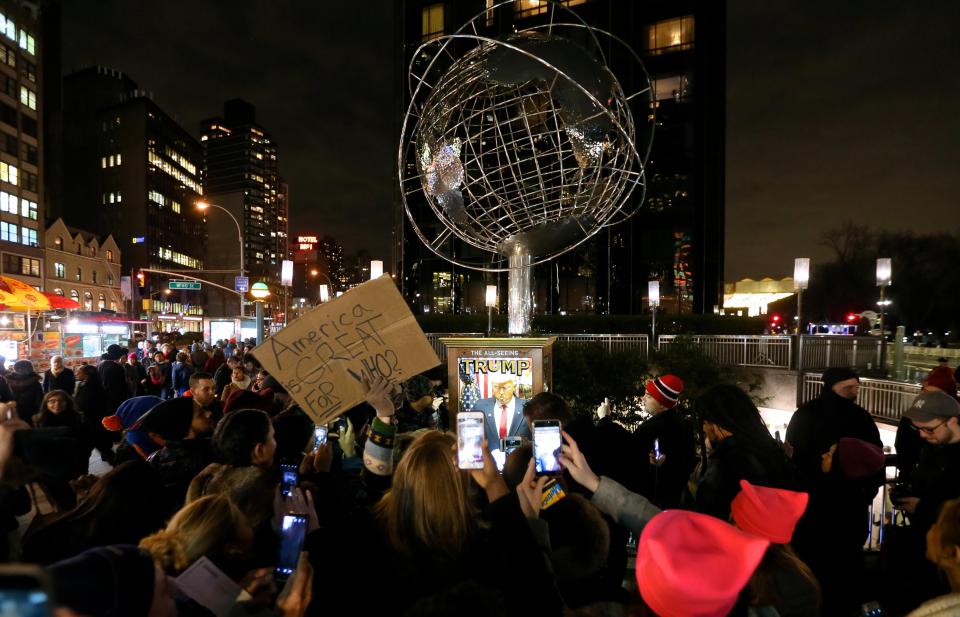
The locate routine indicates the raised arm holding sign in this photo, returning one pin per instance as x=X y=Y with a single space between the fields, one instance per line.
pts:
x=323 y=358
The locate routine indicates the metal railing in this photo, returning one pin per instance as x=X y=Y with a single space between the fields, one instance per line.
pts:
x=770 y=351
x=882 y=398
x=612 y=342
x=817 y=352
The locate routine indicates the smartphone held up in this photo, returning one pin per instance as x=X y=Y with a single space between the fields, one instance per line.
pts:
x=470 y=440
x=547 y=441
x=293 y=532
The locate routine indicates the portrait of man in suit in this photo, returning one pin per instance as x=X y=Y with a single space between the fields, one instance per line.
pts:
x=503 y=412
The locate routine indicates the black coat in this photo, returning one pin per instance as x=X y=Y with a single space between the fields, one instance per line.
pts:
x=178 y=463
x=504 y=558
x=665 y=485
x=65 y=381
x=732 y=461
x=114 y=381
x=27 y=392
x=822 y=422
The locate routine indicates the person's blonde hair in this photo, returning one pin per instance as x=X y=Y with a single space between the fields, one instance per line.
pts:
x=427 y=508
x=948 y=528
x=204 y=527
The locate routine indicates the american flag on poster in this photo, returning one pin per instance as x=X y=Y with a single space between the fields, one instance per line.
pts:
x=470 y=394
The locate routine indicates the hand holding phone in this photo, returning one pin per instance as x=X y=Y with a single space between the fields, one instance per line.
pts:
x=289 y=479
x=319 y=436
x=470 y=440
x=293 y=531
x=547 y=443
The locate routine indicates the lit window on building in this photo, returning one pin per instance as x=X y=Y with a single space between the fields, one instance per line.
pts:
x=9 y=173
x=8 y=27
x=109 y=255
x=526 y=8
x=673 y=87
x=75 y=296
x=670 y=35
x=432 y=21
x=9 y=232
x=28 y=97
x=87 y=301
x=59 y=271
x=28 y=236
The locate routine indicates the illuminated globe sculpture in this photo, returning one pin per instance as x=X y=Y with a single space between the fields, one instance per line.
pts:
x=522 y=146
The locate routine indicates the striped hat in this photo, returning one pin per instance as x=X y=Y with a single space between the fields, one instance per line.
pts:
x=665 y=389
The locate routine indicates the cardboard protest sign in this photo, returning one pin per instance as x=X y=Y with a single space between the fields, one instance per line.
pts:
x=322 y=358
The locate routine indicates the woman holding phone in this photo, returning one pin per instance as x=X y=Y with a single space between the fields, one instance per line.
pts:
x=426 y=533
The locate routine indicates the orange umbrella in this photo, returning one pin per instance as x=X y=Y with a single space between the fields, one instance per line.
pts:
x=19 y=296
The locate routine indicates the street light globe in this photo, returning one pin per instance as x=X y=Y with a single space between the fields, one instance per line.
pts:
x=259 y=290
x=202 y=205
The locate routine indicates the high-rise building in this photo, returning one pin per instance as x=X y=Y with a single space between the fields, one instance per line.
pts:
x=21 y=168
x=241 y=175
x=677 y=236
x=130 y=170
x=316 y=261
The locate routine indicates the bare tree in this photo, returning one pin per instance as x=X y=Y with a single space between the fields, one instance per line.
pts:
x=850 y=242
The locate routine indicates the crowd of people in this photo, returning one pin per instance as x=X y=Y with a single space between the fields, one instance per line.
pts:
x=212 y=464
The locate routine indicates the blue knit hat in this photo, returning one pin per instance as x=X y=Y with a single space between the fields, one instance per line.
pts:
x=127 y=415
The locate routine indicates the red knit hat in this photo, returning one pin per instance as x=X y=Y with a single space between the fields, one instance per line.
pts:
x=665 y=389
x=942 y=378
x=694 y=565
x=770 y=513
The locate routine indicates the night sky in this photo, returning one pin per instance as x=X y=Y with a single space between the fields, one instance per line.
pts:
x=836 y=110
x=319 y=73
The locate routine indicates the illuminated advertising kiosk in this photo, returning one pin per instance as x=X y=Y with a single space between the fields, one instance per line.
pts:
x=483 y=372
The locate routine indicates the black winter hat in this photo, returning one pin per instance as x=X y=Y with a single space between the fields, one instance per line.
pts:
x=110 y=581
x=170 y=419
x=833 y=376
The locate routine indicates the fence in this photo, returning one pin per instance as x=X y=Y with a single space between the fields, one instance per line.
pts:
x=771 y=351
x=882 y=398
x=817 y=352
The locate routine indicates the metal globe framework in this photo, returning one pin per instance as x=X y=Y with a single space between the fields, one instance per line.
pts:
x=524 y=146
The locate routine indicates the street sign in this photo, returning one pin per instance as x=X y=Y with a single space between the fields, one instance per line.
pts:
x=184 y=284
x=241 y=283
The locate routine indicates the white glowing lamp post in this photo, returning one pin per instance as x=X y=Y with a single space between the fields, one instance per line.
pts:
x=491 y=301
x=324 y=293
x=653 y=296
x=801 y=280
x=376 y=269
x=884 y=278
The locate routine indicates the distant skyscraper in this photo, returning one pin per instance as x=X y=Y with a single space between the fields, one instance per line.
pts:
x=21 y=103
x=128 y=169
x=677 y=236
x=241 y=175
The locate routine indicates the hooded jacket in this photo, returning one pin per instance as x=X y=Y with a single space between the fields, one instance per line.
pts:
x=27 y=392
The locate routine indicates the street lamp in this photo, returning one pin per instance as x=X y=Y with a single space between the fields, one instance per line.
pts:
x=202 y=206
x=259 y=290
x=801 y=280
x=491 y=301
x=653 y=296
x=884 y=278
x=324 y=293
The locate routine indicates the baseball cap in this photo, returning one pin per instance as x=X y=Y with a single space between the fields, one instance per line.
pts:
x=931 y=406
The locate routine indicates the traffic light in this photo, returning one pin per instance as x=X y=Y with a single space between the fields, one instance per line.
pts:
x=852 y=318
x=141 y=279
x=775 y=319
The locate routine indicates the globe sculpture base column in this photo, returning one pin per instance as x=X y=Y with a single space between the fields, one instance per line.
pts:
x=520 y=304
